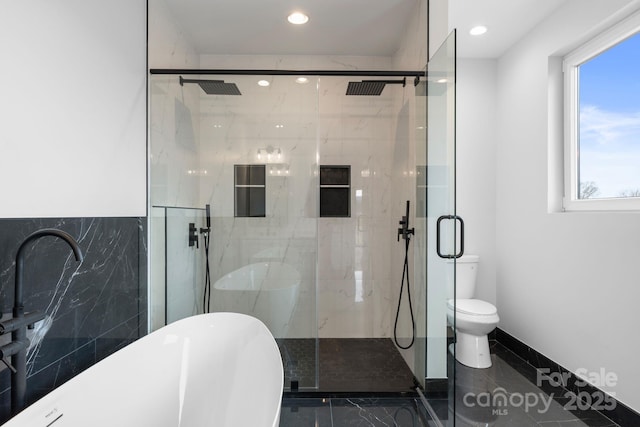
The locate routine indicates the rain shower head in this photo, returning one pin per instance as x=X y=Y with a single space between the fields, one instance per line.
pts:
x=371 y=87
x=214 y=87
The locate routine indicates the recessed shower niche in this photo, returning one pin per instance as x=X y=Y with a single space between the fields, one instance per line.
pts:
x=249 y=188
x=335 y=191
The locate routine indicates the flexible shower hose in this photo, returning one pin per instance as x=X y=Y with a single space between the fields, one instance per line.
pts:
x=405 y=273
x=206 y=300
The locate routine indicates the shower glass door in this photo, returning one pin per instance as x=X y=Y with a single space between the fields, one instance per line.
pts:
x=249 y=151
x=439 y=228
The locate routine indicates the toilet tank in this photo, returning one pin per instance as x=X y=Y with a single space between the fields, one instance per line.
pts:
x=466 y=273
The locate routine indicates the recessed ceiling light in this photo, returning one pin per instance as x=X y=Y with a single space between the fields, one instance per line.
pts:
x=442 y=81
x=298 y=18
x=478 y=30
x=302 y=80
x=263 y=83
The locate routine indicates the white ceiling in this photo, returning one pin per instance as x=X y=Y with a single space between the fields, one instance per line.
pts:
x=507 y=20
x=346 y=27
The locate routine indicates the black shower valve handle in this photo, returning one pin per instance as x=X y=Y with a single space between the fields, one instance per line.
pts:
x=403 y=224
x=404 y=230
x=193 y=236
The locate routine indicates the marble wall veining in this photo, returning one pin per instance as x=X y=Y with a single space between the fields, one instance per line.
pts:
x=310 y=125
x=93 y=308
x=275 y=126
x=354 y=253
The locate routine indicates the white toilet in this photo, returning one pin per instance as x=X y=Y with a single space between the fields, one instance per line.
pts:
x=474 y=318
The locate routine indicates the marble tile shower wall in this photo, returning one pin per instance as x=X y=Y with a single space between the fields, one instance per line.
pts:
x=281 y=122
x=409 y=151
x=174 y=130
x=344 y=262
x=173 y=179
x=354 y=298
x=93 y=308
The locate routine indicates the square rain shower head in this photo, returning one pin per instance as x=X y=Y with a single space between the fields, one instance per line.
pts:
x=366 y=88
x=218 y=87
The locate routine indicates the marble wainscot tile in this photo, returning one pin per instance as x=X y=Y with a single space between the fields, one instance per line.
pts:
x=82 y=301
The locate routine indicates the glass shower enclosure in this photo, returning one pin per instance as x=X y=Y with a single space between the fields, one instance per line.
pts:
x=254 y=153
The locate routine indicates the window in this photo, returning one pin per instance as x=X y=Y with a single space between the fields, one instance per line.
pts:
x=249 y=182
x=602 y=121
x=335 y=191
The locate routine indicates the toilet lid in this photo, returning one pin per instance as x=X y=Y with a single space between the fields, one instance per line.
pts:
x=473 y=306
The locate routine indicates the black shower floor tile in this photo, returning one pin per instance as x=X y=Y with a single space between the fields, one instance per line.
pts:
x=347 y=365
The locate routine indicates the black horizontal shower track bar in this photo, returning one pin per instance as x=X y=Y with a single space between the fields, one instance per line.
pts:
x=344 y=73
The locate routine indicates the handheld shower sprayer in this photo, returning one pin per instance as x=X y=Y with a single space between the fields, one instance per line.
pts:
x=207 y=208
x=206 y=235
x=406 y=233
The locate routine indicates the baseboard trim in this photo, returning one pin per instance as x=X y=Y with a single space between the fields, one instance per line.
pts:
x=619 y=412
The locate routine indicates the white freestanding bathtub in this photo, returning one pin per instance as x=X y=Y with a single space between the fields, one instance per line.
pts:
x=266 y=290
x=220 y=369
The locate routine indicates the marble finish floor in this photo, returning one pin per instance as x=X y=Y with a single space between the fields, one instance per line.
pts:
x=512 y=393
x=334 y=412
x=526 y=402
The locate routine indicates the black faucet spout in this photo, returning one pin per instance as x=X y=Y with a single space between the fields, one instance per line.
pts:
x=20 y=257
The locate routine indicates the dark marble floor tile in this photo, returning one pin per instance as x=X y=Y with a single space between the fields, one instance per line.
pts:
x=513 y=392
x=305 y=413
x=377 y=412
x=398 y=412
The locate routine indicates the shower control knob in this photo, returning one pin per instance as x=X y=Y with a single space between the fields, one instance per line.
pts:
x=193 y=235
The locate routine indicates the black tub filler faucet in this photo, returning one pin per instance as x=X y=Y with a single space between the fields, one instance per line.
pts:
x=17 y=325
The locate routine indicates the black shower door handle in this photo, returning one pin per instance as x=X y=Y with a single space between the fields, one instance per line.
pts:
x=455 y=218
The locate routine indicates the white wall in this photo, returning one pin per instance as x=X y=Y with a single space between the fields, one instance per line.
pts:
x=567 y=283
x=476 y=165
x=73 y=93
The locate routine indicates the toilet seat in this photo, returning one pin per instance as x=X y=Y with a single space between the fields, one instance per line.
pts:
x=473 y=307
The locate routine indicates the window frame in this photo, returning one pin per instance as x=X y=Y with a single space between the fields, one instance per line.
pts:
x=587 y=51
